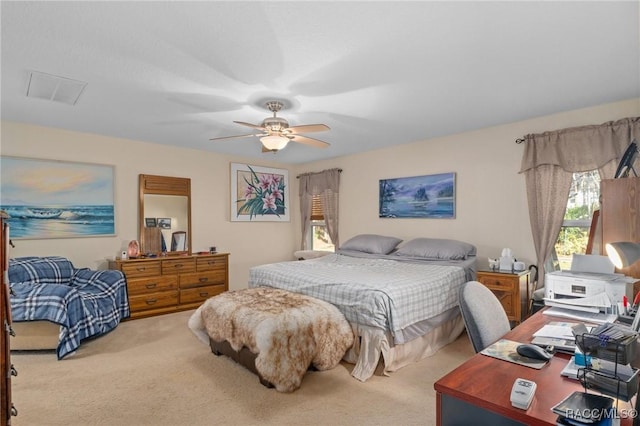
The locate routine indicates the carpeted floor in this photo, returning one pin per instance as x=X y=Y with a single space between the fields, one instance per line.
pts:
x=154 y=371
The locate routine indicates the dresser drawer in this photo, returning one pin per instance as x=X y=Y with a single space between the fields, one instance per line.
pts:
x=499 y=283
x=211 y=264
x=141 y=269
x=178 y=266
x=153 y=300
x=200 y=294
x=199 y=279
x=172 y=283
x=139 y=286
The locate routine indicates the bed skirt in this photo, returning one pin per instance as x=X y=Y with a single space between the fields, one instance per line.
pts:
x=373 y=342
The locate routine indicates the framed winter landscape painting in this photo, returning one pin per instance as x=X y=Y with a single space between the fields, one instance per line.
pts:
x=57 y=199
x=429 y=196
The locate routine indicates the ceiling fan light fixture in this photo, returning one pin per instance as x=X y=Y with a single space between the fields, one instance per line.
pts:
x=276 y=133
x=274 y=142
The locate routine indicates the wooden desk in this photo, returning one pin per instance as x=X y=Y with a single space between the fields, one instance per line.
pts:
x=478 y=392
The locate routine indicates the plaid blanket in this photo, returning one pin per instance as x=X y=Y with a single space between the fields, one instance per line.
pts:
x=86 y=303
x=381 y=293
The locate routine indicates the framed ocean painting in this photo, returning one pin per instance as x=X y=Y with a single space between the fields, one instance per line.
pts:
x=259 y=194
x=57 y=199
x=429 y=196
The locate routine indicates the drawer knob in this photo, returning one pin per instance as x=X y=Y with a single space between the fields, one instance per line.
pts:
x=212 y=262
x=14 y=372
x=151 y=301
x=14 y=411
x=204 y=294
x=178 y=265
x=151 y=285
x=140 y=269
x=203 y=279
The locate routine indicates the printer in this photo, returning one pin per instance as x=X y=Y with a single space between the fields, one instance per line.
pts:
x=590 y=277
x=575 y=285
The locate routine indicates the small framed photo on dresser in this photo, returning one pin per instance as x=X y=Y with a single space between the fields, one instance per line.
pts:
x=150 y=222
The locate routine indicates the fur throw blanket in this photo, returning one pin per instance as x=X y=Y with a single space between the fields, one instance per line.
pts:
x=287 y=331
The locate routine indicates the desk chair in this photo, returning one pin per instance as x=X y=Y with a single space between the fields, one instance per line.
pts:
x=483 y=315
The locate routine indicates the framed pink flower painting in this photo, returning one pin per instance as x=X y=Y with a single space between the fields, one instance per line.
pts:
x=259 y=194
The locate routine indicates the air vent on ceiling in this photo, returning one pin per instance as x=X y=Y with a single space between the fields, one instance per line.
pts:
x=54 y=88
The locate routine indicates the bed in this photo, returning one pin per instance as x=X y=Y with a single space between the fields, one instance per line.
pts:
x=401 y=300
x=79 y=303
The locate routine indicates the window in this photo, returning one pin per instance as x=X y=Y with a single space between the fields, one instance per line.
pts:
x=318 y=236
x=583 y=201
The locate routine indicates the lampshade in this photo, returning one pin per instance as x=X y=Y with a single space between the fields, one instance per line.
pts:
x=274 y=142
x=623 y=253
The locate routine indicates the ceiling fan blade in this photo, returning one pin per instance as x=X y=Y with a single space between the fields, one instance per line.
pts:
x=233 y=137
x=309 y=128
x=310 y=141
x=255 y=126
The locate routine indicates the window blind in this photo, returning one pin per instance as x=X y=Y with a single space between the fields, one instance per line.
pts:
x=316 y=208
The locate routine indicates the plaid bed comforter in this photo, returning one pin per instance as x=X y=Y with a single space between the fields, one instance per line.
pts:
x=382 y=293
x=86 y=303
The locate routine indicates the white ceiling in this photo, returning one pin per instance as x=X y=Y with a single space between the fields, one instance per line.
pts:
x=378 y=73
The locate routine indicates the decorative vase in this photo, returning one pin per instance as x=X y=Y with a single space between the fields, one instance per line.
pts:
x=133 y=250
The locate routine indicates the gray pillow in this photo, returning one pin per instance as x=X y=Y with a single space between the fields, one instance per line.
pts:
x=434 y=248
x=371 y=243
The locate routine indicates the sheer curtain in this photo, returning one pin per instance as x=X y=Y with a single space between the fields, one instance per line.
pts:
x=548 y=163
x=325 y=185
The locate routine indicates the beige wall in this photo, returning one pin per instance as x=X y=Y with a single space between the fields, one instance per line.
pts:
x=491 y=207
x=249 y=243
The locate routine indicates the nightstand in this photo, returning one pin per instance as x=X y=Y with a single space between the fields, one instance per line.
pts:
x=511 y=288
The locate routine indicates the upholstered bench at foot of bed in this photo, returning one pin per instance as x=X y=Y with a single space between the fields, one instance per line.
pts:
x=275 y=333
x=244 y=357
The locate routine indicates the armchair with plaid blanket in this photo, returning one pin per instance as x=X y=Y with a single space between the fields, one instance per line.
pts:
x=85 y=303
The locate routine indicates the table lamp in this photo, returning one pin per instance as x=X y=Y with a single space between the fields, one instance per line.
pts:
x=623 y=253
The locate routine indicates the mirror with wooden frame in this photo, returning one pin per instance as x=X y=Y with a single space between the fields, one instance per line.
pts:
x=164 y=213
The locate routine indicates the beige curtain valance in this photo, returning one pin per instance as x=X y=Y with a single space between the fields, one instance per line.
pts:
x=579 y=149
x=316 y=183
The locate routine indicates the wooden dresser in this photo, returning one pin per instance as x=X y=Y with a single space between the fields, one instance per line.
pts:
x=7 y=409
x=168 y=284
x=511 y=288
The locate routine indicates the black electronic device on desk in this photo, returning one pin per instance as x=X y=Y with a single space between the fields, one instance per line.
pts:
x=583 y=408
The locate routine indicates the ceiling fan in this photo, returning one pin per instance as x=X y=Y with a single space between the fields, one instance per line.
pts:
x=276 y=132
